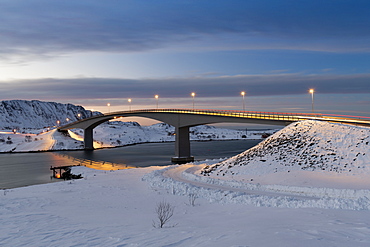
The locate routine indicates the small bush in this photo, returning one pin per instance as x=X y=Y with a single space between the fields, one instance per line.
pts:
x=164 y=212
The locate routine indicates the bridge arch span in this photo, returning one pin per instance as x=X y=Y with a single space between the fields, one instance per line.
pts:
x=182 y=120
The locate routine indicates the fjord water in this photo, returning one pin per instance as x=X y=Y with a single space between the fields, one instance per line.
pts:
x=24 y=169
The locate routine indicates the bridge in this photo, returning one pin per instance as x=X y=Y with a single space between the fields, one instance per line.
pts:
x=183 y=119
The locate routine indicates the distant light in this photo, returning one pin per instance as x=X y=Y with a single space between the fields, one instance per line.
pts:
x=156 y=97
x=108 y=104
x=67 y=119
x=242 y=93
x=129 y=101
x=311 y=91
x=193 y=95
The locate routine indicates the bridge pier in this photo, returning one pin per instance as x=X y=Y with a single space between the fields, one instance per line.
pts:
x=182 y=146
x=88 y=139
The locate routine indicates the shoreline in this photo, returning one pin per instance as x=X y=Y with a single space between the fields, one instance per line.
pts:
x=126 y=145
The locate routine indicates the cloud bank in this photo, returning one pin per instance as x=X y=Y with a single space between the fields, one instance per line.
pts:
x=222 y=86
x=40 y=29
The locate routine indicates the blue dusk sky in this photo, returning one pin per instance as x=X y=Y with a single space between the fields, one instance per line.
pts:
x=93 y=52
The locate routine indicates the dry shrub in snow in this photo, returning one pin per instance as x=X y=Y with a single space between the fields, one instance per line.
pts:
x=164 y=212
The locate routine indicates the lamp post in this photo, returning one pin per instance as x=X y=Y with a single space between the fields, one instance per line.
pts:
x=243 y=94
x=193 y=95
x=58 y=122
x=79 y=116
x=108 y=107
x=156 y=98
x=311 y=91
x=129 y=104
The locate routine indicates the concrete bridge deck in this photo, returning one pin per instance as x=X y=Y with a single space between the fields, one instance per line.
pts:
x=183 y=119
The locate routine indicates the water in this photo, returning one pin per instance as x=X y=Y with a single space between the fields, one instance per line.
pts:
x=23 y=169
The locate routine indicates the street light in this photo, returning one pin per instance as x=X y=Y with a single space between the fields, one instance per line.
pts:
x=79 y=115
x=193 y=95
x=156 y=97
x=129 y=102
x=243 y=94
x=108 y=107
x=67 y=119
x=311 y=91
x=58 y=122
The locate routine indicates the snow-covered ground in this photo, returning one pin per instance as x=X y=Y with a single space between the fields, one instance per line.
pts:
x=117 y=208
x=113 y=134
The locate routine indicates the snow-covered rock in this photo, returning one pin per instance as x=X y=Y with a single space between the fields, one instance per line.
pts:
x=303 y=146
x=23 y=114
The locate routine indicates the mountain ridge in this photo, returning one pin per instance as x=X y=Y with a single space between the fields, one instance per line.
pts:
x=23 y=114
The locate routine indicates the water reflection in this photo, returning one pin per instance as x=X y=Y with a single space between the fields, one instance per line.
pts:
x=23 y=169
x=99 y=165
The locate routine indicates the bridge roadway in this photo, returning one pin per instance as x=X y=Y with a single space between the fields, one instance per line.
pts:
x=183 y=119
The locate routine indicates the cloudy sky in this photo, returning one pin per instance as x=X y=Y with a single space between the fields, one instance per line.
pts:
x=93 y=52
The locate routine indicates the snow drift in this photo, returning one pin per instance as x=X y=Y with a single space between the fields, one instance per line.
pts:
x=303 y=146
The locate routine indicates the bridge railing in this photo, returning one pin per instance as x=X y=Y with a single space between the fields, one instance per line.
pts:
x=278 y=116
x=242 y=114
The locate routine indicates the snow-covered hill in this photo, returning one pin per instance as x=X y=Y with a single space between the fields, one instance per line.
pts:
x=22 y=114
x=328 y=148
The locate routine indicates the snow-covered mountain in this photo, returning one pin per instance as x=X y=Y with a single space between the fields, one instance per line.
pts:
x=303 y=146
x=21 y=114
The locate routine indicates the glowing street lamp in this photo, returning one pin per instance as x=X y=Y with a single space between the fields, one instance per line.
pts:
x=108 y=107
x=58 y=122
x=79 y=115
x=311 y=91
x=243 y=94
x=129 y=102
x=193 y=95
x=67 y=119
x=156 y=97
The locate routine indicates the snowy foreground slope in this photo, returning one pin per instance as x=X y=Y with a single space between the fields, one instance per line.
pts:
x=117 y=208
x=302 y=152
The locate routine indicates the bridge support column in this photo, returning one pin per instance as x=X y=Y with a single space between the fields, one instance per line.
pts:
x=88 y=139
x=182 y=146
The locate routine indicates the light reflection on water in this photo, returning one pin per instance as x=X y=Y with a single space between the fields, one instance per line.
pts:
x=99 y=165
x=24 y=169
